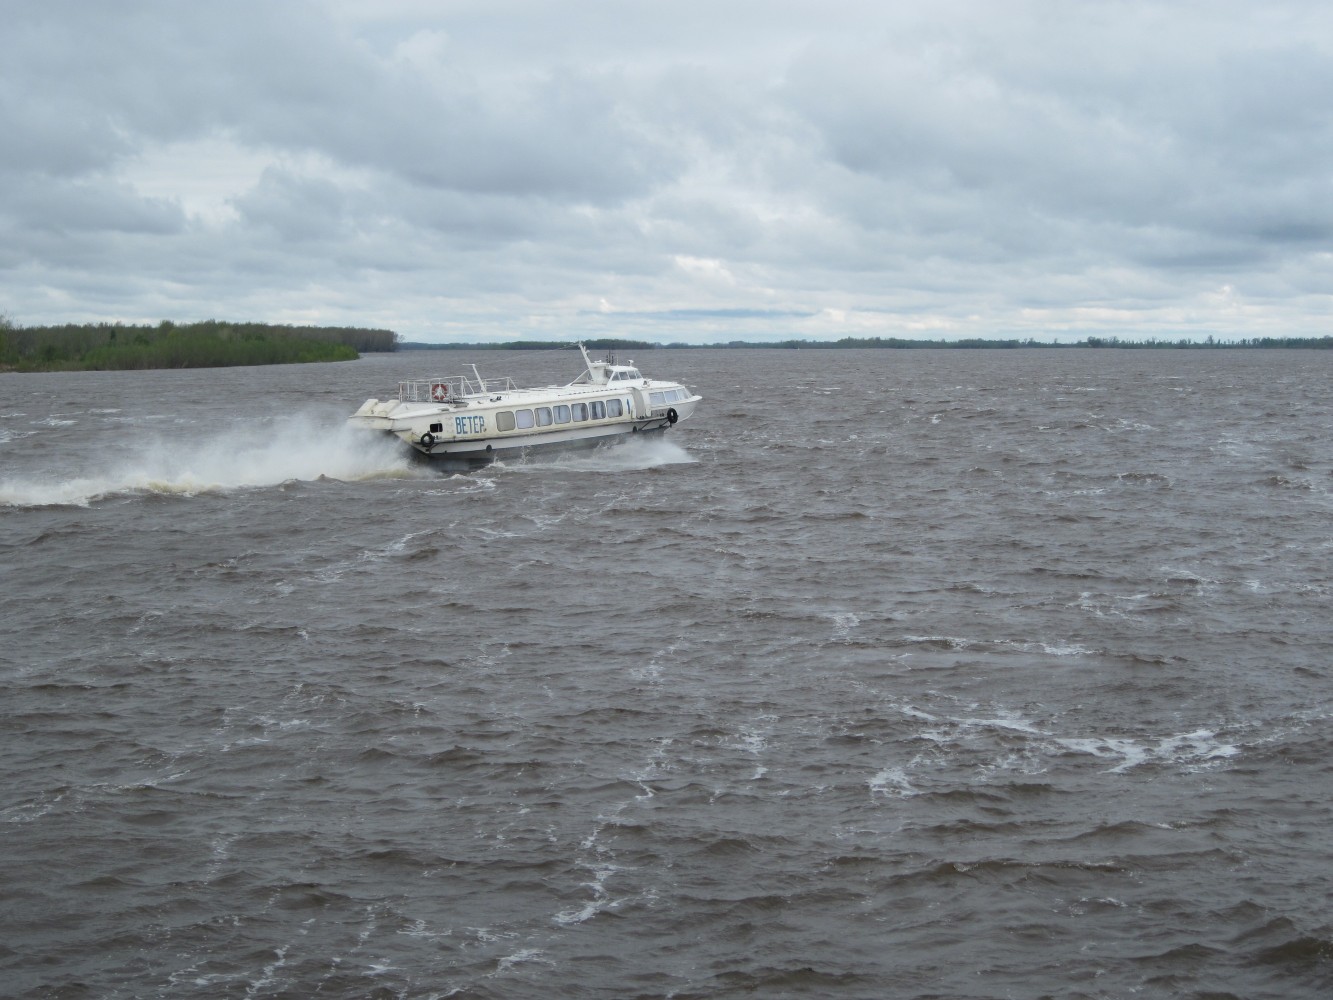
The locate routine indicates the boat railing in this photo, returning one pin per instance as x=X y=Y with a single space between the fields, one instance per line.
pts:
x=443 y=388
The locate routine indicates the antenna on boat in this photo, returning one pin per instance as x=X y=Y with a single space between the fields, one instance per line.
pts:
x=592 y=366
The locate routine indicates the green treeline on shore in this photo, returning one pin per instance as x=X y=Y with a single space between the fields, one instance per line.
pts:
x=591 y=343
x=1211 y=343
x=216 y=344
x=208 y=344
x=893 y=343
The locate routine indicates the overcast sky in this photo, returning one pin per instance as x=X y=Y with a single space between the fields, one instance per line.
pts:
x=673 y=170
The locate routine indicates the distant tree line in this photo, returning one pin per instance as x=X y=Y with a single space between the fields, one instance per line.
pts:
x=971 y=343
x=595 y=344
x=1323 y=343
x=208 y=344
x=978 y=342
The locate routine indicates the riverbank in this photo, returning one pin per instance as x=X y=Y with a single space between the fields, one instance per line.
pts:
x=891 y=343
x=209 y=344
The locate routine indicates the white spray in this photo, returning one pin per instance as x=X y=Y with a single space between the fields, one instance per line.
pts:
x=302 y=447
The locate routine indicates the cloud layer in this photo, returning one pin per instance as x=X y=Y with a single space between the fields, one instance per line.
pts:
x=492 y=169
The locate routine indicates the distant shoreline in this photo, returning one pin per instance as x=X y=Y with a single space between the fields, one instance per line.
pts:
x=218 y=344
x=209 y=344
x=891 y=343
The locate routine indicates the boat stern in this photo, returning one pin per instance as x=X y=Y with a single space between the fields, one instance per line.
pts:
x=374 y=415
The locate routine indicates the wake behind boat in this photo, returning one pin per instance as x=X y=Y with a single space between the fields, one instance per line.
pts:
x=471 y=419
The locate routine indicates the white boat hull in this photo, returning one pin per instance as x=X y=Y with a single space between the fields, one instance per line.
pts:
x=476 y=452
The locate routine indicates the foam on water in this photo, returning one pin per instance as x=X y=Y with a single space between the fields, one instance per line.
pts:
x=1197 y=749
x=302 y=448
x=892 y=781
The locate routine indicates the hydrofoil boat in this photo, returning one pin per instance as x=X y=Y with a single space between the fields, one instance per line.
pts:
x=474 y=420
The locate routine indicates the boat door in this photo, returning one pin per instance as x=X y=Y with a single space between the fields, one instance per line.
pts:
x=642 y=407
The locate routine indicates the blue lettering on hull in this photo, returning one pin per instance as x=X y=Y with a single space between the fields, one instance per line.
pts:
x=469 y=425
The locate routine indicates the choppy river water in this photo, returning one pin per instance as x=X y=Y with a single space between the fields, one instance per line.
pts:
x=953 y=674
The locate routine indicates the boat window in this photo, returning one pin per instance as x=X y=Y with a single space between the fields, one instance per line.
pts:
x=562 y=414
x=523 y=418
x=436 y=428
x=633 y=373
x=657 y=398
x=543 y=416
x=598 y=410
x=613 y=408
x=580 y=411
x=504 y=420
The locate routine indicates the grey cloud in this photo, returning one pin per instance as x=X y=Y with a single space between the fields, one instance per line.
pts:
x=1158 y=171
x=297 y=208
x=282 y=76
x=557 y=136
x=704 y=168
x=84 y=206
